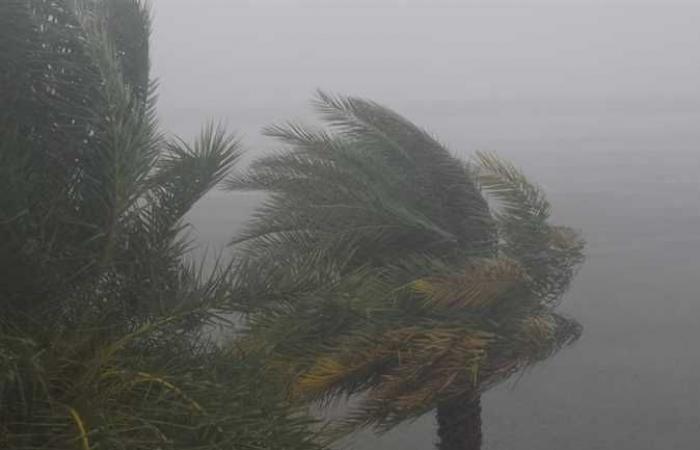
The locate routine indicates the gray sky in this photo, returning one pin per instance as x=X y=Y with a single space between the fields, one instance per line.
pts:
x=236 y=59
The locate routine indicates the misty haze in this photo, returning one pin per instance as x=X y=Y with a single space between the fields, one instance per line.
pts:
x=596 y=102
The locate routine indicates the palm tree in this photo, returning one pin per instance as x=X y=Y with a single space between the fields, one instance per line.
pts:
x=102 y=340
x=383 y=267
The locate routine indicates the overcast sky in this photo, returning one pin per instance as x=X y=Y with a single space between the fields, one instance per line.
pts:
x=252 y=62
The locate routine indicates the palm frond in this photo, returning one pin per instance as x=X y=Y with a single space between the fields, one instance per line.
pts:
x=481 y=284
x=549 y=254
x=441 y=184
x=103 y=336
x=519 y=198
x=376 y=267
x=185 y=173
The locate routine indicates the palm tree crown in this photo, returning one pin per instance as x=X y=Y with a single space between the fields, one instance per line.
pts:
x=383 y=265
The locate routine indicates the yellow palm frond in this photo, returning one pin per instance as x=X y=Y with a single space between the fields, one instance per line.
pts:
x=326 y=372
x=143 y=377
x=539 y=327
x=564 y=237
x=478 y=286
x=330 y=371
x=443 y=363
x=80 y=424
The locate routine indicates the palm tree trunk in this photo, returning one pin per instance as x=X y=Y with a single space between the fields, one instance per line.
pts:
x=459 y=423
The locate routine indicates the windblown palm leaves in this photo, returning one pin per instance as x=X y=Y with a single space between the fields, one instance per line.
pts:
x=101 y=341
x=379 y=181
x=149 y=389
x=384 y=266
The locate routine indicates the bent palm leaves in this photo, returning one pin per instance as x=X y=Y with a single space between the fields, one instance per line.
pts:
x=378 y=266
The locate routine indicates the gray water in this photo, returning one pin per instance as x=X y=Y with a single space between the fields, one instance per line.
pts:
x=597 y=100
x=627 y=176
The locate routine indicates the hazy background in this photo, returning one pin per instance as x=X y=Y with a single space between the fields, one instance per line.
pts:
x=599 y=101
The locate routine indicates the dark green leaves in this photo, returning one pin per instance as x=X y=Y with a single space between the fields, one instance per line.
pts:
x=105 y=332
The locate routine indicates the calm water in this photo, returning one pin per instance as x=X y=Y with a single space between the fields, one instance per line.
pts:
x=626 y=174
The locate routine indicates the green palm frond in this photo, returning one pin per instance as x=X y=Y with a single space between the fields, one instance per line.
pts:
x=185 y=173
x=75 y=391
x=519 y=198
x=104 y=336
x=440 y=182
x=550 y=254
x=333 y=195
x=377 y=268
x=125 y=137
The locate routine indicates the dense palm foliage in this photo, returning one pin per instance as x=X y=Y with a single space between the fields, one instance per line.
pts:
x=101 y=334
x=382 y=265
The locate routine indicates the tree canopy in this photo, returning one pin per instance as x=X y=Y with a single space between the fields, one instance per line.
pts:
x=383 y=265
x=102 y=340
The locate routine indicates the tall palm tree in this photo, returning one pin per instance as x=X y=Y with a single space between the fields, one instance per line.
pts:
x=382 y=265
x=102 y=341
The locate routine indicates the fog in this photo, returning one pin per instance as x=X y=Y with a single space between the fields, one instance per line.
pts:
x=260 y=60
x=599 y=101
